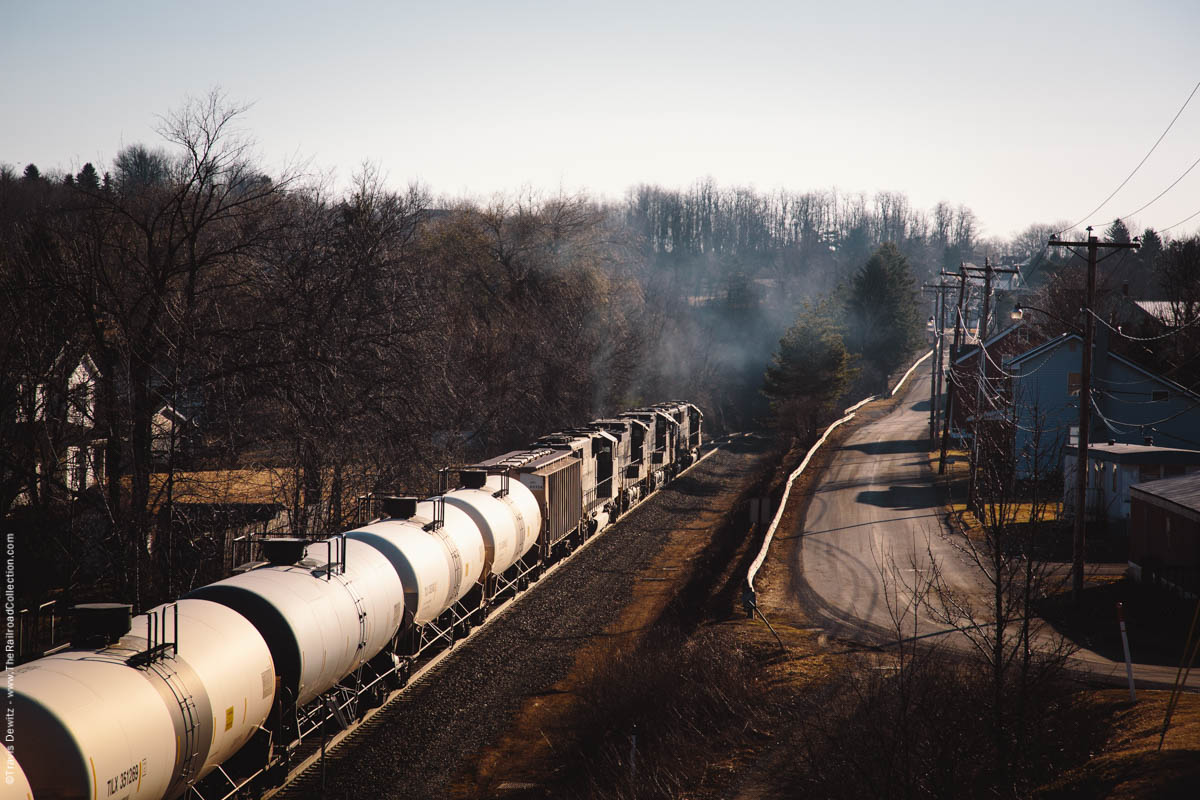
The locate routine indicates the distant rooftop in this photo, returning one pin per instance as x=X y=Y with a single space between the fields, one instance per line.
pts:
x=1139 y=454
x=1159 y=309
x=1180 y=494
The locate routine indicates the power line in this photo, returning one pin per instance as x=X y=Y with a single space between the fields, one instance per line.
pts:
x=1178 y=329
x=1191 y=407
x=1140 y=163
x=1185 y=219
x=1164 y=191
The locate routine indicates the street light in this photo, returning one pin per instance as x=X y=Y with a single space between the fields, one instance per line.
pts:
x=1018 y=313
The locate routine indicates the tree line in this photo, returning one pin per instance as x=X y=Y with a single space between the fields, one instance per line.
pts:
x=354 y=341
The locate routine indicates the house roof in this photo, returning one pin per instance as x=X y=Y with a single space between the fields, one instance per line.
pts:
x=169 y=412
x=1059 y=341
x=1138 y=454
x=1044 y=347
x=1161 y=310
x=996 y=337
x=1180 y=494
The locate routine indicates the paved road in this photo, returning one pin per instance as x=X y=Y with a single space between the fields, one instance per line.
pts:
x=870 y=529
x=872 y=524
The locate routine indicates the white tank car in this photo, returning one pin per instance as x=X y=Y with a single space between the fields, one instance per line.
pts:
x=509 y=522
x=436 y=565
x=16 y=785
x=113 y=722
x=372 y=577
x=317 y=621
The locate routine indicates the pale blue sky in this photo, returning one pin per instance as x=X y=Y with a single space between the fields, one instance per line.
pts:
x=1025 y=112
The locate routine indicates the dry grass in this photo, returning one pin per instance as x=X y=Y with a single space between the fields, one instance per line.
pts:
x=224 y=486
x=1130 y=765
x=260 y=485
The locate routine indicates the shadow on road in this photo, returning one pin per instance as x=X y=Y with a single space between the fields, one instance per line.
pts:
x=891 y=447
x=903 y=497
x=922 y=405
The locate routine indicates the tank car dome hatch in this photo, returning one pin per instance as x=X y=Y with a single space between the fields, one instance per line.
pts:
x=101 y=624
x=399 y=507
x=473 y=478
x=283 y=550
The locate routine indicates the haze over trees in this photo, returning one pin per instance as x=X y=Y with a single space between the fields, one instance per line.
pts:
x=264 y=329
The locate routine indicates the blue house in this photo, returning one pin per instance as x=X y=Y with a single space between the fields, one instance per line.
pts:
x=1129 y=404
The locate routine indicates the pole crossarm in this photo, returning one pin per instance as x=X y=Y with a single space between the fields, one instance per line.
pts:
x=1097 y=242
x=1079 y=532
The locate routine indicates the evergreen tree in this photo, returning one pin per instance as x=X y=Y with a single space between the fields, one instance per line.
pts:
x=1117 y=232
x=884 y=323
x=87 y=178
x=1152 y=245
x=32 y=173
x=809 y=372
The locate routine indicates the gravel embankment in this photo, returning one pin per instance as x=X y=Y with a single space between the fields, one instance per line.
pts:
x=414 y=747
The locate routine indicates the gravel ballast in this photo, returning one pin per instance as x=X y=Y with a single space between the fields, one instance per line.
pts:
x=436 y=729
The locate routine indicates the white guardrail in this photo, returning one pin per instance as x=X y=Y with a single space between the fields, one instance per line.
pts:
x=749 y=598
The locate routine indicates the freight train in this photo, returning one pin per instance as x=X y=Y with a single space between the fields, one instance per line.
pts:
x=220 y=692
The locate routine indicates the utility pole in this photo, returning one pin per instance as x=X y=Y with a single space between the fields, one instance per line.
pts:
x=937 y=369
x=980 y=337
x=1078 y=537
x=939 y=329
x=959 y=334
x=950 y=393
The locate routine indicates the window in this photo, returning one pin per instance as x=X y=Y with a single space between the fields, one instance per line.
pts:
x=76 y=470
x=1073 y=383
